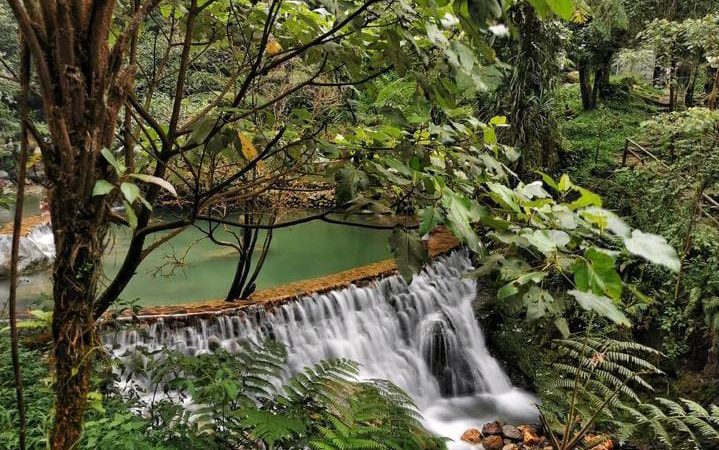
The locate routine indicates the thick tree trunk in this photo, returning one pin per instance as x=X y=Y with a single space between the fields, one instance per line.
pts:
x=80 y=230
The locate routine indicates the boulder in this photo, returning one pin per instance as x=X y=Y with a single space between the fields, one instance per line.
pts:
x=511 y=432
x=492 y=442
x=472 y=436
x=530 y=437
x=491 y=428
x=37 y=251
x=510 y=447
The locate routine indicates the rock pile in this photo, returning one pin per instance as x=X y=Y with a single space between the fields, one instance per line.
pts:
x=495 y=436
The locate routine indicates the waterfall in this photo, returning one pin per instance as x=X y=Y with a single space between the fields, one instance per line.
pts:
x=37 y=250
x=423 y=337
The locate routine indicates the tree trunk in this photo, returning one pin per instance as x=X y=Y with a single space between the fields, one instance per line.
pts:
x=673 y=87
x=585 y=87
x=74 y=278
x=80 y=225
x=714 y=94
x=602 y=76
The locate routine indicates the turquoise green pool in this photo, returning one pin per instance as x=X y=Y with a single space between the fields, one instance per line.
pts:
x=299 y=252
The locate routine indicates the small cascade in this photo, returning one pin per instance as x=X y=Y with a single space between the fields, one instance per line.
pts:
x=423 y=337
x=37 y=250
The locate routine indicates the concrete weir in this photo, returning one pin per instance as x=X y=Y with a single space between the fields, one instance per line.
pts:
x=440 y=242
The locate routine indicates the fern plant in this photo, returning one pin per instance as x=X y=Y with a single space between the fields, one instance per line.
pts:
x=596 y=378
x=247 y=400
x=675 y=425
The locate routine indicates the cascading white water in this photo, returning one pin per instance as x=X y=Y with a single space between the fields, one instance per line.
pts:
x=37 y=250
x=423 y=337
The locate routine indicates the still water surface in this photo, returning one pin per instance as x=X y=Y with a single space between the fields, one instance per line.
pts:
x=298 y=252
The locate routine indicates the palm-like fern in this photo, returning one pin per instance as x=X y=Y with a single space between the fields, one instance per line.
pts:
x=597 y=376
x=246 y=400
x=379 y=416
x=675 y=425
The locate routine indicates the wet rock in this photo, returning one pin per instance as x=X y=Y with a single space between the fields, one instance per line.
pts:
x=37 y=251
x=510 y=447
x=472 y=435
x=493 y=442
x=511 y=432
x=214 y=343
x=529 y=436
x=491 y=428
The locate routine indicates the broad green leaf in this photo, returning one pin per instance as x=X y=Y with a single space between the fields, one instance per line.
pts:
x=586 y=198
x=155 y=180
x=503 y=196
x=498 y=120
x=131 y=217
x=597 y=272
x=130 y=191
x=102 y=187
x=461 y=214
x=487 y=266
x=653 y=248
x=110 y=158
x=349 y=182
x=201 y=130
x=513 y=287
x=600 y=304
x=562 y=8
x=564 y=183
x=538 y=302
x=429 y=219
x=408 y=251
x=546 y=241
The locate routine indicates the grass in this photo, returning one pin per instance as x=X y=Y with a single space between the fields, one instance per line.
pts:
x=593 y=141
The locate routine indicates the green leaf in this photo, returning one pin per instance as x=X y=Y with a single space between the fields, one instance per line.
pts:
x=349 y=182
x=131 y=217
x=597 y=272
x=408 y=251
x=586 y=198
x=201 y=130
x=102 y=187
x=130 y=191
x=602 y=305
x=110 y=158
x=513 y=287
x=461 y=213
x=429 y=219
x=156 y=180
x=271 y=427
x=538 y=302
x=653 y=248
x=564 y=183
x=562 y=8
x=562 y=326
